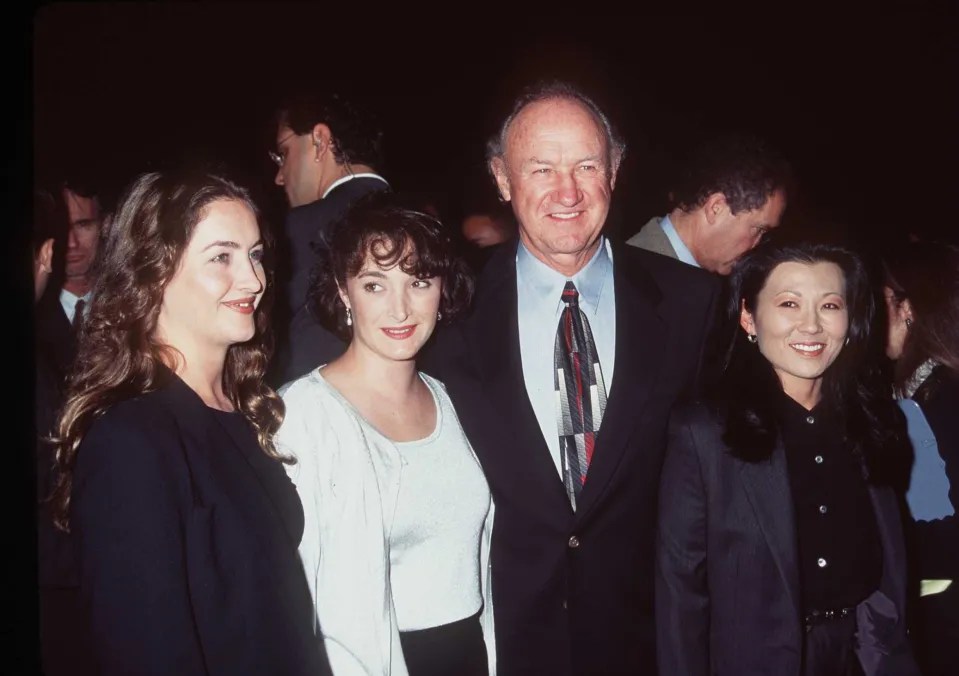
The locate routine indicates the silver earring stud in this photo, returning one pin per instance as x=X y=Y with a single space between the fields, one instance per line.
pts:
x=908 y=323
x=752 y=338
x=349 y=317
x=439 y=316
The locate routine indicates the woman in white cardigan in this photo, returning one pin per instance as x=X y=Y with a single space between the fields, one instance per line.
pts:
x=398 y=512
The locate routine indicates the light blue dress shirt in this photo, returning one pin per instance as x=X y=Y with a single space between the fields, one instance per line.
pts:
x=928 y=494
x=682 y=252
x=540 y=304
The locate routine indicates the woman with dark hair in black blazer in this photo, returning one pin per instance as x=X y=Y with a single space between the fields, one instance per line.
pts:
x=780 y=547
x=922 y=299
x=186 y=526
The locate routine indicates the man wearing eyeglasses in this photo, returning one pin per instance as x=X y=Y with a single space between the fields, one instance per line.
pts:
x=327 y=154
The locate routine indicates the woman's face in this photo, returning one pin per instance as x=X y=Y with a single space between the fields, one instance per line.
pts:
x=394 y=313
x=897 y=312
x=800 y=322
x=210 y=301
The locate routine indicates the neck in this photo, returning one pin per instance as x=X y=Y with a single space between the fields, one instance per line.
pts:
x=391 y=378
x=78 y=286
x=567 y=264
x=203 y=373
x=338 y=171
x=806 y=393
x=687 y=225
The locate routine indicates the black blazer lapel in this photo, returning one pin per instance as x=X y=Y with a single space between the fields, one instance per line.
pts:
x=494 y=345
x=767 y=488
x=640 y=343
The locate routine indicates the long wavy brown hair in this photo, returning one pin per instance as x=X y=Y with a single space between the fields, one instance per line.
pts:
x=119 y=355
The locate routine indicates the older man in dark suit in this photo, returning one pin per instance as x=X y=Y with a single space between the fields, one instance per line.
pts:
x=563 y=378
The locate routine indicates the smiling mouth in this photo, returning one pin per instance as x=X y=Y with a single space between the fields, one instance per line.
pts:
x=245 y=306
x=566 y=216
x=399 y=332
x=809 y=349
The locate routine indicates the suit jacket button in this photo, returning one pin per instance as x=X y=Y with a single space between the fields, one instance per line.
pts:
x=573 y=542
x=564 y=604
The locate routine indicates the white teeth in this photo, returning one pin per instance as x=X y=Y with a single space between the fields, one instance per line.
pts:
x=566 y=216
x=809 y=348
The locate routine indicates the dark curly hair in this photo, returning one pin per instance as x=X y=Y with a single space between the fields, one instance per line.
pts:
x=744 y=168
x=381 y=226
x=853 y=386
x=927 y=275
x=119 y=356
x=357 y=136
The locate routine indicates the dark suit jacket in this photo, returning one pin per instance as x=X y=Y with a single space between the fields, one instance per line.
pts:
x=53 y=333
x=187 y=540
x=727 y=571
x=303 y=344
x=583 y=605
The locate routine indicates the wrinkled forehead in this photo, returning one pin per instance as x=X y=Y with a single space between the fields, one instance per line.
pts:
x=555 y=118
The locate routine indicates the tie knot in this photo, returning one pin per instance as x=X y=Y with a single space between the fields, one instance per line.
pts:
x=570 y=294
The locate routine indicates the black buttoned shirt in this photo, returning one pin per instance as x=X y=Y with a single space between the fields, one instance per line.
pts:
x=840 y=555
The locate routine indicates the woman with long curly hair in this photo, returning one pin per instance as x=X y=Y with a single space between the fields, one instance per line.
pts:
x=186 y=526
x=780 y=547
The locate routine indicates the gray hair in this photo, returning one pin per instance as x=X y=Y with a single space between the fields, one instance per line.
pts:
x=545 y=91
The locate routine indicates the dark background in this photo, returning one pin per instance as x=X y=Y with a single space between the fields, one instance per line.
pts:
x=864 y=104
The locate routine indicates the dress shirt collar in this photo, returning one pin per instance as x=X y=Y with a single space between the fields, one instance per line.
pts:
x=546 y=284
x=68 y=301
x=350 y=177
x=682 y=251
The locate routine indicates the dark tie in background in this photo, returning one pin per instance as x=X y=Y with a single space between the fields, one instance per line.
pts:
x=78 y=315
x=578 y=378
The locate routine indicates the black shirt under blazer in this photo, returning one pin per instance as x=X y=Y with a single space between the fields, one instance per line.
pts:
x=187 y=536
x=585 y=605
x=727 y=571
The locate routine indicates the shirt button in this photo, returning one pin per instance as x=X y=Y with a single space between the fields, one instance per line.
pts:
x=818 y=459
x=573 y=542
x=821 y=562
x=564 y=604
x=810 y=419
x=823 y=509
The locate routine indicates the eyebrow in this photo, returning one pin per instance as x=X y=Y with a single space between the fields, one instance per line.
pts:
x=84 y=222
x=230 y=244
x=371 y=273
x=827 y=293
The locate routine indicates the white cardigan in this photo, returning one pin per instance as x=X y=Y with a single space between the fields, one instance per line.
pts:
x=349 y=488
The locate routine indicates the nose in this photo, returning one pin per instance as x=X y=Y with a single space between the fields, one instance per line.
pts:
x=252 y=278
x=399 y=305
x=278 y=179
x=72 y=241
x=810 y=321
x=567 y=192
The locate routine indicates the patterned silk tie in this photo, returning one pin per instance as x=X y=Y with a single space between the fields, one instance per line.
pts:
x=78 y=315
x=580 y=393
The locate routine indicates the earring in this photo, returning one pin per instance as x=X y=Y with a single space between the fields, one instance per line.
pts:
x=908 y=323
x=847 y=341
x=349 y=317
x=439 y=316
x=752 y=338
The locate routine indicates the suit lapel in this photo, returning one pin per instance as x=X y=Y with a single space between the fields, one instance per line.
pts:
x=768 y=491
x=640 y=343
x=495 y=345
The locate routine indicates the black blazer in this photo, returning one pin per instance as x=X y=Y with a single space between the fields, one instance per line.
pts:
x=573 y=593
x=303 y=344
x=54 y=335
x=727 y=571
x=187 y=536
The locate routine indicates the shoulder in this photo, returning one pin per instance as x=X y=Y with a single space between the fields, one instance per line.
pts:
x=697 y=415
x=669 y=274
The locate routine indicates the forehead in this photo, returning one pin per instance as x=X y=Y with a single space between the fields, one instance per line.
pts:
x=227 y=221
x=555 y=122
x=822 y=276
x=81 y=208
x=283 y=132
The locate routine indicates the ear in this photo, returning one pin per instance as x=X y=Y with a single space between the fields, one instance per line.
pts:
x=343 y=297
x=746 y=319
x=497 y=167
x=320 y=137
x=715 y=207
x=45 y=256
